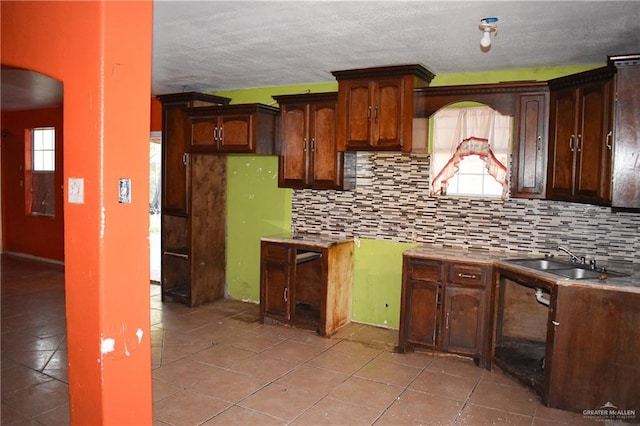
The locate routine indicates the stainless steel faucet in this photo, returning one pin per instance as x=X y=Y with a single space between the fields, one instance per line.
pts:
x=574 y=258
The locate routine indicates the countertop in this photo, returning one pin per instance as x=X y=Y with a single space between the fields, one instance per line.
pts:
x=308 y=239
x=630 y=283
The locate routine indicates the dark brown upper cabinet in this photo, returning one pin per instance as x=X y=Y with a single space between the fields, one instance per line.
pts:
x=234 y=129
x=176 y=148
x=626 y=133
x=580 y=131
x=529 y=158
x=527 y=102
x=375 y=107
x=309 y=157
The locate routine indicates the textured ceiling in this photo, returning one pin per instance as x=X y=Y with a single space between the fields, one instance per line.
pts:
x=219 y=45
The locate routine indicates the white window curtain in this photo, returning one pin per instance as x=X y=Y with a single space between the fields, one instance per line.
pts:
x=459 y=132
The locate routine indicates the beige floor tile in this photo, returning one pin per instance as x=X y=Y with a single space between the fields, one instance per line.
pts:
x=342 y=362
x=358 y=349
x=367 y=393
x=281 y=401
x=293 y=351
x=222 y=355
x=446 y=385
x=38 y=399
x=413 y=407
x=184 y=372
x=264 y=367
x=59 y=416
x=229 y=386
x=20 y=377
x=474 y=415
x=241 y=416
x=162 y=390
x=507 y=398
x=413 y=359
x=330 y=411
x=388 y=372
x=188 y=408
x=313 y=380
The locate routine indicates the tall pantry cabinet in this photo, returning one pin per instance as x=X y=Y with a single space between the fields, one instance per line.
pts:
x=193 y=208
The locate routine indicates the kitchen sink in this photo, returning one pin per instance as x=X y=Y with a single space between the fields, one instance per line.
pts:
x=542 y=264
x=566 y=269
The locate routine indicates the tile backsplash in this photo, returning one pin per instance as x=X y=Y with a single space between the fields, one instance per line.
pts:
x=391 y=202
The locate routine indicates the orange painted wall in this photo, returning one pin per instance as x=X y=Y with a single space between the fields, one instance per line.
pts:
x=101 y=51
x=40 y=236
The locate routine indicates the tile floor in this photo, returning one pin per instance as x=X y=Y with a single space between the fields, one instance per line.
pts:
x=218 y=364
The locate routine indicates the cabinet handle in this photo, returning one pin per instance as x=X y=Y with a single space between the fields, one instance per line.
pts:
x=304 y=144
x=174 y=254
x=608 y=140
x=469 y=276
x=375 y=114
x=539 y=145
x=579 y=146
x=185 y=158
x=215 y=134
x=369 y=114
x=571 y=142
x=313 y=144
x=556 y=323
x=286 y=294
x=220 y=134
x=446 y=321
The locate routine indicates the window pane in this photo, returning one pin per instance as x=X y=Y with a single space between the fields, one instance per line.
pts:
x=49 y=159
x=470 y=184
x=48 y=139
x=38 y=160
x=37 y=140
x=491 y=186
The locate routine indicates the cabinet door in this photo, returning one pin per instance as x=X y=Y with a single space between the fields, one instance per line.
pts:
x=593 y=157
x=175 y=160
x=387 y=114
x=356 y=115
x=463 y=326
x=275 y=281
x=204 y=133
x=422 y=312
x=294 y=146
x=323 y=165
x=236 y=133
x=626 y=145
x=562 y=144
x=530 y=152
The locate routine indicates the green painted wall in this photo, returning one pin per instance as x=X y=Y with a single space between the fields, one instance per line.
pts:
x=256 y=207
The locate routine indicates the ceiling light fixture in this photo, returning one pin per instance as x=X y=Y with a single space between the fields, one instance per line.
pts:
x=487 y=26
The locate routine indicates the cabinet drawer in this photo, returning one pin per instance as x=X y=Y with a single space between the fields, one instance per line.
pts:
x=424 y=269
x=279 y=252
x=467 y=274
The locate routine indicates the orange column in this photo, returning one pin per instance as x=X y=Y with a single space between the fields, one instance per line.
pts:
x=101 y=51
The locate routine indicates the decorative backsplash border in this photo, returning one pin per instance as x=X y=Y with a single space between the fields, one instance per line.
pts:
x=391 y=202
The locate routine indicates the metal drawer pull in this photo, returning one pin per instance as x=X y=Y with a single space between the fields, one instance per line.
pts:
x=286 y=294
x=571 y=142
x=556 y=323
x=609 y=139
x=469 y=276
x=174 y=254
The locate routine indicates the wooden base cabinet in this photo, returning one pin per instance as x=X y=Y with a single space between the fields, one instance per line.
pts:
x=444 y=307
x=306 y=285
x=193 y=246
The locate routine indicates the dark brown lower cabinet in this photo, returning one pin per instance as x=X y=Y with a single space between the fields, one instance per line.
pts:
x=443 y=307
x=578 y=351
x=307 y=285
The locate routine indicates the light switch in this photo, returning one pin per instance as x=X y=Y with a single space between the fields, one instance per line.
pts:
x=76 y=190
x=125 y=191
